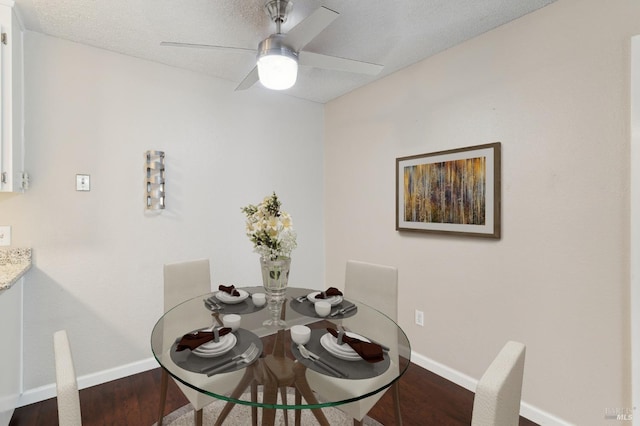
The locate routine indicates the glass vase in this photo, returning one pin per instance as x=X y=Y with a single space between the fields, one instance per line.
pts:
x=275 y=277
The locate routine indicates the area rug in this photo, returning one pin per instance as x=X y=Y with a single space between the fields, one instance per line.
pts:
x=241 y=416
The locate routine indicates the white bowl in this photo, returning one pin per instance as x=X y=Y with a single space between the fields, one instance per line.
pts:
x=323 y=308
x=300 y=334
x=259 y=299
x=232 y=321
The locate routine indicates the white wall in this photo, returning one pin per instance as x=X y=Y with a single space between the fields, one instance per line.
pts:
x=553 y=87
x=97 y=257
x=635 y=220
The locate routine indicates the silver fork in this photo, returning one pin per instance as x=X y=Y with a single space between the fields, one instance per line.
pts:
x=246 y=357
x=212 y=306
x=247 y=351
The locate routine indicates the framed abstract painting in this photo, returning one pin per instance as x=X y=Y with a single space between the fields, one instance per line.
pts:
x=450 y=192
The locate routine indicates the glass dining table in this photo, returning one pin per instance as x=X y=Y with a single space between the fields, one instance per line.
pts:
x=255 y=365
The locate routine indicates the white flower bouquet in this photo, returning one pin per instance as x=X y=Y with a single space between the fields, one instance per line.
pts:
x=270 y=229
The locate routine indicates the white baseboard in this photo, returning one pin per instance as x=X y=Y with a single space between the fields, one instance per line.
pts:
x=49 y=391
x=526 y=410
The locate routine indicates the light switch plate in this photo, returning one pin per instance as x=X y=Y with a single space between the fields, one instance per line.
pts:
x=5 y=235
x=83 y=183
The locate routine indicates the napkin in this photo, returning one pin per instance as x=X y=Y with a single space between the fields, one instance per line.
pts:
x=231 y=289
x=197 y=338
x=370 y=352
x=330 y=292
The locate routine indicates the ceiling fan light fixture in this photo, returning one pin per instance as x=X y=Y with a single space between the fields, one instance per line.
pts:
x=277 y=64
x=277 y=72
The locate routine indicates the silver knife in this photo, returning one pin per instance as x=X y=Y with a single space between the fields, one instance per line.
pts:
x=342 y=311
x=316 y=358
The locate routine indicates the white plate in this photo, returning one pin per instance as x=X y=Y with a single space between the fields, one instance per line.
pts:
x=344 y=348
x=344 y=351
x=212 y=349
x=333 y=300
x=225 y=340
x=225 y=297
x=337 y=353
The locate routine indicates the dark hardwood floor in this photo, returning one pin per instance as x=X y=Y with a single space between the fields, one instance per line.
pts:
x=427 y=399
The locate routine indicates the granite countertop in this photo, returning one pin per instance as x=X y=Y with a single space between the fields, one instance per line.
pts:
x=14 y=262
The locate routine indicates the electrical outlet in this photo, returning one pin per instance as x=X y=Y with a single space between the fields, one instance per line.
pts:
x=83 y=183
x=420 y=318
x=5 y=235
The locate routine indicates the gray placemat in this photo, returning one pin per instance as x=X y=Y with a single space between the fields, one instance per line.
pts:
x=191 y=362
x=244 y=307
x=354 y=369
x=308 y=309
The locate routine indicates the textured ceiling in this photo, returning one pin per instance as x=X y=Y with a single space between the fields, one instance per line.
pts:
x=392 y=33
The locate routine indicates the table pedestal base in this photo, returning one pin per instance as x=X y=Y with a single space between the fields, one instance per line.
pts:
x=275 y=372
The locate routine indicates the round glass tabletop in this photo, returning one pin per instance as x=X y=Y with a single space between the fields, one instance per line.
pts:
x=354 y=352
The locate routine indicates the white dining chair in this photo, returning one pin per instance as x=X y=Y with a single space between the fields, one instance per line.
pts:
x=498 y=394
x=68 y=397
x=376 y=286
x=182 y=281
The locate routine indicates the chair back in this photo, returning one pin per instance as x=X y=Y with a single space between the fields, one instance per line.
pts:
x=185 y=280
x=375 y=285
x=68 y=397
x=498 y=394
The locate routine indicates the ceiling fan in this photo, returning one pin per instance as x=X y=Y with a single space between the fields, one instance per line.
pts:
x=279 y=55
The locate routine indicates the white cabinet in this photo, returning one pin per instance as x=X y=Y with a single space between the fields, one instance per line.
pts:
x=11 y=356
x=11 y=100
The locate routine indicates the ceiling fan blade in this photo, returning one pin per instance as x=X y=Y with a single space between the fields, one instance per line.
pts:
x=205 y=46
x=249 y=80
x=335 y=63
x=300 y=35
